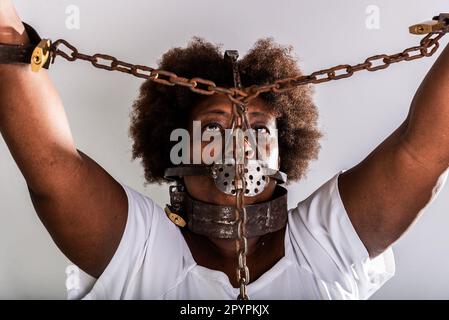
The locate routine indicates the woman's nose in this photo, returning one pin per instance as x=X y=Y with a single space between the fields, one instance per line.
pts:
x=249 y=150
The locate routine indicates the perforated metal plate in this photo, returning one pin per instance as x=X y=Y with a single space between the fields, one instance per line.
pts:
x=255 y=178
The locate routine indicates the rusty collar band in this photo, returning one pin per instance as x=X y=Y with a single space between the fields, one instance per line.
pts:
x=220 y=222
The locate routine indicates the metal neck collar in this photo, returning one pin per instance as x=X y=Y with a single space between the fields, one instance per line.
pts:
x=218 y=221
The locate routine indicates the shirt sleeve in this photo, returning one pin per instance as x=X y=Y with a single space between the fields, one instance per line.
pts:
x=327 y=245
x=141 y=254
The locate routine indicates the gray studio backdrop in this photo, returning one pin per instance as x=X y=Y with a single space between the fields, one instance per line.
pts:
x=356 y=114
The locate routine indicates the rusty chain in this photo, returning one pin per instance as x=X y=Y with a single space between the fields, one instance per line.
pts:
x=239 y=125
x=240 y=211
x=110 y=63
x=428 y=46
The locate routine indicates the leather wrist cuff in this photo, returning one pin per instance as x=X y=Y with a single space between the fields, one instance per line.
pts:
x=10 y=54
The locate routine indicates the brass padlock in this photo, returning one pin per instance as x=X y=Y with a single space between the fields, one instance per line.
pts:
x=40 y=55
x=438 y=23
x=175 y=218
x=427 y=27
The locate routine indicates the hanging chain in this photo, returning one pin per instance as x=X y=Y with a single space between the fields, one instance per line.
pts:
x=239 y=125
x=428 y=46
x=240 y=210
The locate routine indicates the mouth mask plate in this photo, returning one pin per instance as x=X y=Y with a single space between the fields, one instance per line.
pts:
x=255 y=177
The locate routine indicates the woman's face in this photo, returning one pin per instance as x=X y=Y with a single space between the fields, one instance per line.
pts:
x=215 y=114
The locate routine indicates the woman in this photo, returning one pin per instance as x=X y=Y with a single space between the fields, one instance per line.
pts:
x=333 y=245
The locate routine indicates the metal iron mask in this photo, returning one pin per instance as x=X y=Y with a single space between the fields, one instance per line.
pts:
x=255 y=152
x=260 y=157
x=258 y=170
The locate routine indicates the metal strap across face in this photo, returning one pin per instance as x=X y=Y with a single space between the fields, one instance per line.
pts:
x=256 y=174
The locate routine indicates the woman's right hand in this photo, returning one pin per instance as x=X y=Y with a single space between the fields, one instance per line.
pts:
x=12 y=30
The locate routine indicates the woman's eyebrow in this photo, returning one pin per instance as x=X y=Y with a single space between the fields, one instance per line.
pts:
x=257 y=114
x=212 y=111
x=215 y=114
x=225 y=112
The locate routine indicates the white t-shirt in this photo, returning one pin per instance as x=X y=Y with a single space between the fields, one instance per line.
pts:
x=324 y=259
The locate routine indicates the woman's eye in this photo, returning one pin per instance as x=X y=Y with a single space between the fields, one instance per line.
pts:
x=213 y=127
